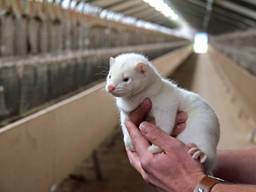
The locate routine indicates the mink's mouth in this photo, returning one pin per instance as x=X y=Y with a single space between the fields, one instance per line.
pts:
x=119 y=93
x=116 y=94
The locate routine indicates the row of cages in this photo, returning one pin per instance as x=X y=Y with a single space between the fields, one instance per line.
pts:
x=27 y=84
x=22 y=34
x=240 y=47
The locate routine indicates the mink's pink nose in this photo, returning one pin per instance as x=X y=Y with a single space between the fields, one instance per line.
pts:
x=111 y=88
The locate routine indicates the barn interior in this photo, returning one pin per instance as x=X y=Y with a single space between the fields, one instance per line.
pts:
x=59 y=128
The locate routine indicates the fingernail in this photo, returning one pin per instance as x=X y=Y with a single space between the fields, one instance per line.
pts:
x=180 y=116
x=146 y=103
x=143 y=127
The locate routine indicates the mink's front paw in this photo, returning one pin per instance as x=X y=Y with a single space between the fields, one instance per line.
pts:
x=154 y=149
x=128 y=143
x=196 y=153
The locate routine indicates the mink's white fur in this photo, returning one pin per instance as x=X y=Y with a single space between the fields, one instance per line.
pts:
x=132 y=78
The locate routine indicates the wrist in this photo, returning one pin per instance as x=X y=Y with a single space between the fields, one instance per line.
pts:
x=188 y=184
x=207 y=184
x=196 y=180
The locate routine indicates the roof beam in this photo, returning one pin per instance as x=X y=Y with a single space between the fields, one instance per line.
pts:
x=220 y=12
x=216 y=20
x=135 y=10
x=245 y=4
x=159 y=19
x=194 y=10
x=253 y=2
x=125 y=5
x=223 y=28
x=229 y=20
x=102 y=3
x=131 y=6
x=164 y=23
x=113 y=4
x=153 y=16
x=234 y=7
x=233 y=15
x=207 y=15
x=144 y=12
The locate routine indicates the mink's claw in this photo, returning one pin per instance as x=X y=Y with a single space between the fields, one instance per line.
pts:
x=197 y=154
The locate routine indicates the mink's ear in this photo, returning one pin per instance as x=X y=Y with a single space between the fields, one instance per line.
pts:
x=111 y=61
x=141 y=67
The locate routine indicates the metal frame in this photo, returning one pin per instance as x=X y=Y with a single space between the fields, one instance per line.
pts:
x=229 y=14
x=228 y=18
x=125 y=5
x=235 y=7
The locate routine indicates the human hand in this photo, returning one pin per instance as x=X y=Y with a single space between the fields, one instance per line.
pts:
x=173 y=169
x=141 y=112
x=180 y=123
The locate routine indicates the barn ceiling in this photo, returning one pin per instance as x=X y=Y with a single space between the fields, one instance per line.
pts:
x=213 y=16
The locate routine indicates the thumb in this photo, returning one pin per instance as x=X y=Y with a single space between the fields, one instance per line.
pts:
x=158 y=137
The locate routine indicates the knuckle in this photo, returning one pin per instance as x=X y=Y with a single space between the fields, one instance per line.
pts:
x=176 y=145
x=145 y=178
x=130 y=161
x=145 y=163
x=135 y=137
x=154 y=135
x=193 y=145
x=132 y=134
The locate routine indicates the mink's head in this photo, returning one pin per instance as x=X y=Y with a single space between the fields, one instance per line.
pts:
x=128 y=75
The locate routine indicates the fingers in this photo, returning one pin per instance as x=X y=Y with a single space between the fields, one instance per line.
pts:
x=139 y=142
x=181 y=117
x=158 y=137
x=139 y=114
x=178 y=129
x=135 y=162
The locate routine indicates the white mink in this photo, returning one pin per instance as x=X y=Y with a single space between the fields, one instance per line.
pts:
x=132 y=78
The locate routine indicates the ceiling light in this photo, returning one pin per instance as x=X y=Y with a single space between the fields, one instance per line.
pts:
x=200 y=43
x=163 y=8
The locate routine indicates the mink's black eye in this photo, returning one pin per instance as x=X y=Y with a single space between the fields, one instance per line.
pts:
x=126 y=79
x=109 y=76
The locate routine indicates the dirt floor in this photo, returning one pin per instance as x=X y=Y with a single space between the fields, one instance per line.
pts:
x=117 y=174
x=198 y=74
